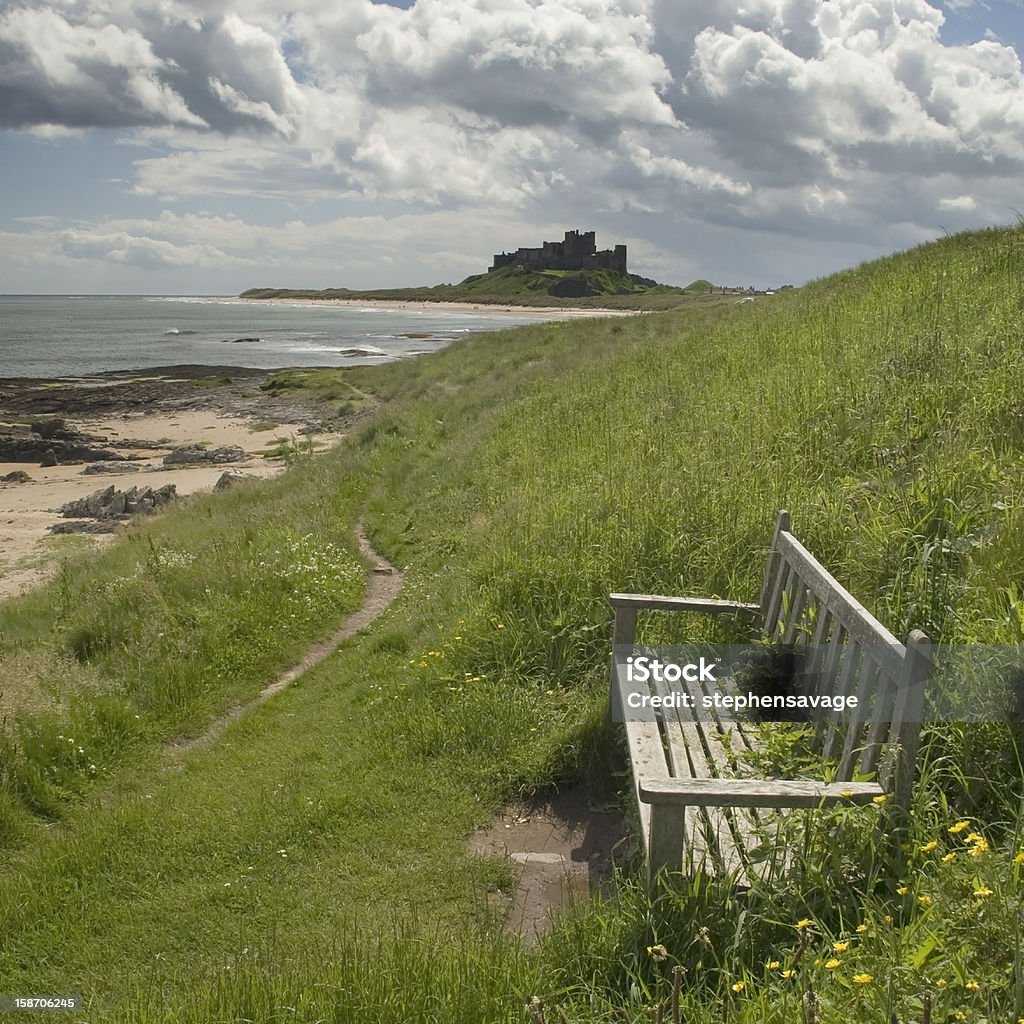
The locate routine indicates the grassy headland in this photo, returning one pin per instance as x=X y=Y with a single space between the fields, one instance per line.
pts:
x=311 y=865
x=602 y=289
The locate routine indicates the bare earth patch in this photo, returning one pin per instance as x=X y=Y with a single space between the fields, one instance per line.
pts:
x=561 y=846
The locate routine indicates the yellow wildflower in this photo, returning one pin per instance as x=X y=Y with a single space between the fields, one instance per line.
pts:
x=861 y=929
x=928 y=847
x=980 y=846
x=941 y=983
x=739 y=986
x=925 y=901
x=1019 y=859
x=948 y=858
x=788 y=974
x=804 y=923
x=863 y=979
x=880 y=799
x=840 y=947
x=982 y=894
x=846 y=794
x=901 y=891
x=975 y=837
x=972 y=986
x=657 y=953
x=958 y=828
x=832 y=964
x=772 y=965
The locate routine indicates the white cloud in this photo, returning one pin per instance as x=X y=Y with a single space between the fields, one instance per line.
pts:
x=138 y=250
x=846 y=120
x=59 y=73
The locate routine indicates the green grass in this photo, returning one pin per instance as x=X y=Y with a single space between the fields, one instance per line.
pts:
x=880 y=406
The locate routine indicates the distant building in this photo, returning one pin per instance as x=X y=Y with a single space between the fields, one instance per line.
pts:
x=577 y=251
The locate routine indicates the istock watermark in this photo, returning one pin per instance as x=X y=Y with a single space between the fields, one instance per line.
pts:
x=807 y=683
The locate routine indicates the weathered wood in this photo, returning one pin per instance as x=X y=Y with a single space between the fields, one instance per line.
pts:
x=881 y=713
x=624 y=630
x=860 y=624
x=799 y=594
x=704 y=605
x=665 y=846
x=843 y=657
x=771 y=569
x=756 y=792
x=869 y=672
x=771 y=618
x=724 y=838
x=905 y=735
x=692 y=805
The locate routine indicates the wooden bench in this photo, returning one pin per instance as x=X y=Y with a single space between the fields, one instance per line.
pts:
x=689 y=796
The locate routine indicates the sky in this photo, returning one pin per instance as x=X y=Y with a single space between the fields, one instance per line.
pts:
x=207 y=146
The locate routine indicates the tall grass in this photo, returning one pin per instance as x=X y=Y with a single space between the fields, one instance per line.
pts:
x=519 y=478
x=191 y=612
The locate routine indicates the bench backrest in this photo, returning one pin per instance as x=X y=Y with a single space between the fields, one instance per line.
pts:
x=849 y=652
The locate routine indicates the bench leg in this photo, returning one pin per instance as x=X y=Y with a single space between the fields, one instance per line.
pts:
x=667 y=836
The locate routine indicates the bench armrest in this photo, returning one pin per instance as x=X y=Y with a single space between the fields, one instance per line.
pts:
x=708 y=605
x=756 y=792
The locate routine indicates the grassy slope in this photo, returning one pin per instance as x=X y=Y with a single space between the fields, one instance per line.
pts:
x=880 y=406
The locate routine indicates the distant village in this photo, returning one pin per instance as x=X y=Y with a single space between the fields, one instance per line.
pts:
x=750 y=291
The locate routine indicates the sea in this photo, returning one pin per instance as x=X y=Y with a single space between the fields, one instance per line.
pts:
x=83 y=335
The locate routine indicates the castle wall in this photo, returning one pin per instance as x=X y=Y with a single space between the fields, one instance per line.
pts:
x=577 y=251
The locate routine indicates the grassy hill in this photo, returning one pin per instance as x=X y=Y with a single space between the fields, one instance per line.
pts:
x=312 y=864
x=514 y=286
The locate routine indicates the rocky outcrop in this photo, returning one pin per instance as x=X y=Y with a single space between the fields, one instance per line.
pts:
x=229 y=478
x=197 y=455
x=95 y=468
x=110 y=503
x=32 y=448
x=85 y=526
x=19 y=476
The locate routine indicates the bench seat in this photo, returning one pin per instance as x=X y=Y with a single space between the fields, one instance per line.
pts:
x=697 y=811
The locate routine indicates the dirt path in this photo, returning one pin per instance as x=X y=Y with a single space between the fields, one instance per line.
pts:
x=381 y=589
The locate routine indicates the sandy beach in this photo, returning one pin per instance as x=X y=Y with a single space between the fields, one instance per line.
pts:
x=540 y=312
x=188 y=414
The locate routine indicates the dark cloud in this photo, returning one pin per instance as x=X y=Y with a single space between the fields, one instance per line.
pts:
x=217 y=72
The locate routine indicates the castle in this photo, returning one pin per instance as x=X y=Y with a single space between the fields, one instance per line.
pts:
x=577 y=252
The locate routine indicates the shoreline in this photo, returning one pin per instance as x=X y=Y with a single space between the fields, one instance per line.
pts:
x=423 y=306
x=140 y=417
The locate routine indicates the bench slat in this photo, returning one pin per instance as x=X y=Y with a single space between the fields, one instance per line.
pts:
x=856 y=717
x=881 y=714
x=757 y=792
x=723 y=837
x=861 y=625
x=848 y=656
x=771 y=617
x=798 y=595
x=706 y=605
